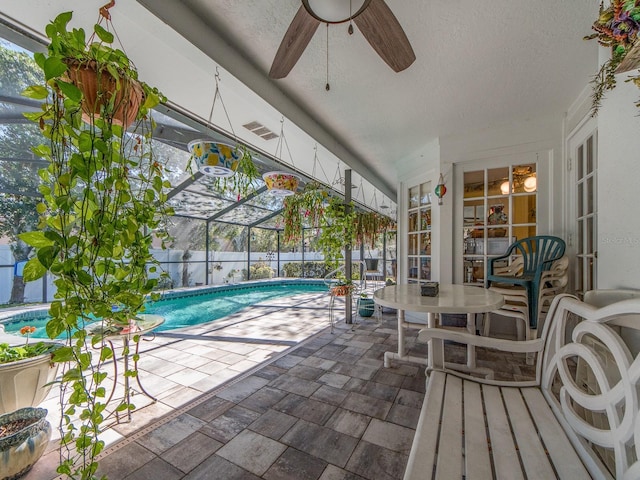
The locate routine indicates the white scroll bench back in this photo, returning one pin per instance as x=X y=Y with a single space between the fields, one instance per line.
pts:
x=578 y=419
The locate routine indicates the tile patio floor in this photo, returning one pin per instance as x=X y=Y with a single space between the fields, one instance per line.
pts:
x=270 y=393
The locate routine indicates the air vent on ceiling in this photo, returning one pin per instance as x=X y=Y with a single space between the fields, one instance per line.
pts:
x=260 y=130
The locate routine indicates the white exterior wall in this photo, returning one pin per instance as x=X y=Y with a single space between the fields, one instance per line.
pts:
x=618 y=188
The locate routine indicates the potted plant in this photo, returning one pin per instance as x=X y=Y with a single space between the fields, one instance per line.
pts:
x=24 y=435
x=232 y=167
x=304 y=208
x=337 y=232
x=369 y=226
x=103 y=204
x=617 y=28
x=282 y=184
x=26 y=372
x=243 y=182
x=366 y=305
x=342 y=288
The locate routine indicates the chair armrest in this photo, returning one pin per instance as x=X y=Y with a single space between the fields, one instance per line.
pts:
x=495 y=259
x=528 y=346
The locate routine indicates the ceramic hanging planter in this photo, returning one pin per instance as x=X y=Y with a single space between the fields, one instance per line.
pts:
x=281 y=183
x=215 y=159
x=24 y=435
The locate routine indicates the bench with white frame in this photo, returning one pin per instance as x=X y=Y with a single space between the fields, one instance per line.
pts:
x=578 y=419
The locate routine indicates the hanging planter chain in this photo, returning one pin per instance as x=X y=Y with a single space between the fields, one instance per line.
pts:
x=217 y=95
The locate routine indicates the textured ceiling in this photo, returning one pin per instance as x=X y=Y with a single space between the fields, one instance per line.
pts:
x=479 y=65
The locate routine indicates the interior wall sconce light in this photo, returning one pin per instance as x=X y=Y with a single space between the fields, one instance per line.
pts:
x=440 y=189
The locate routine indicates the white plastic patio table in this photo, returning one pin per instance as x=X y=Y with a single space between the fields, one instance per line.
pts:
x=450 y=299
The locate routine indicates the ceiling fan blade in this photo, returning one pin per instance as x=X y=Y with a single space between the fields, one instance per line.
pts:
x=382 y=30
x=293 y=44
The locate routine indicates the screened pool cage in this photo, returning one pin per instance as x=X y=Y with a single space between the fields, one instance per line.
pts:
x=217 y=236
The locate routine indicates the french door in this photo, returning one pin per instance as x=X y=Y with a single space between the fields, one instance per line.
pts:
x=582 y=164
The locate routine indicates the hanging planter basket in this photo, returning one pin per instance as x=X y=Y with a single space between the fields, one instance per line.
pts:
x=215 y=159
x=99 y=89
x=281 y=184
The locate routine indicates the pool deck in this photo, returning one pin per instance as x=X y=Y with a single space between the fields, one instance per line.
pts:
x=270 y=393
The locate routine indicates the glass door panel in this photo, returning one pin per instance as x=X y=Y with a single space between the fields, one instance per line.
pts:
x=419 y=233
x=499 y=207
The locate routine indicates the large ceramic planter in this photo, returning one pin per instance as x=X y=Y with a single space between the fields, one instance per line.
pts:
x=25 y=443
x=366 y=307
x=215 y=159
x=26 y=383
x=128 y=93
x=281 y=184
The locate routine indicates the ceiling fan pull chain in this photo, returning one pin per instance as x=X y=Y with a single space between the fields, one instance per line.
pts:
x=315 y=161
x=350 y=29
x=327 y=86
x=218 y=95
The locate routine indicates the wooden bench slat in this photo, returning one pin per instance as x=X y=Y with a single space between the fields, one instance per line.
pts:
x=450 y=446
x=528 y=432
x=534 y=458
x=505 y=456
x=476 y=450
x=564 y=457
x=422 y=456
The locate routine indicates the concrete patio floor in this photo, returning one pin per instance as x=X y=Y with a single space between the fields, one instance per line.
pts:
x=270 y=393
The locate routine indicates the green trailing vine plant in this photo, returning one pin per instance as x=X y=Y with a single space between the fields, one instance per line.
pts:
x=305 y=208
x=617 y=28
x=337 y=232
x=369 y=226
x=104 y=198
x=243 y=182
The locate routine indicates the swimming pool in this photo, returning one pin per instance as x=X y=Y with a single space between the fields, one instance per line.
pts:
x=192 y=307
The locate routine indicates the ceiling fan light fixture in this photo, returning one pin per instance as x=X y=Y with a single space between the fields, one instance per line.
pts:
x=335 y=11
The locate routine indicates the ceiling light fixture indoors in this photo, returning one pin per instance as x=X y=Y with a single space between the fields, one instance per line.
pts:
x=374 y=19
x=523 y=178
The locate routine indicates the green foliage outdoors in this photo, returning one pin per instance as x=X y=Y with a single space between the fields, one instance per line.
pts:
x=21 y=352
x=311 y=270
x=260 y=269
x=18 y=176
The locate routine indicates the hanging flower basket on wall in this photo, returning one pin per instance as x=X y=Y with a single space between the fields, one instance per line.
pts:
x=281 y=183
x=215 y=159
x=128 y=93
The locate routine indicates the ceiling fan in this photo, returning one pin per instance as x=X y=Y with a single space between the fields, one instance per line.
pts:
x=374 y=19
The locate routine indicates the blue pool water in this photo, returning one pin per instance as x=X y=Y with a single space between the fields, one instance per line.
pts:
x=192 y=308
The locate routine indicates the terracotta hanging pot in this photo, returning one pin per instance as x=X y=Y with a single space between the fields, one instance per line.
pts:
x=101 y=88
